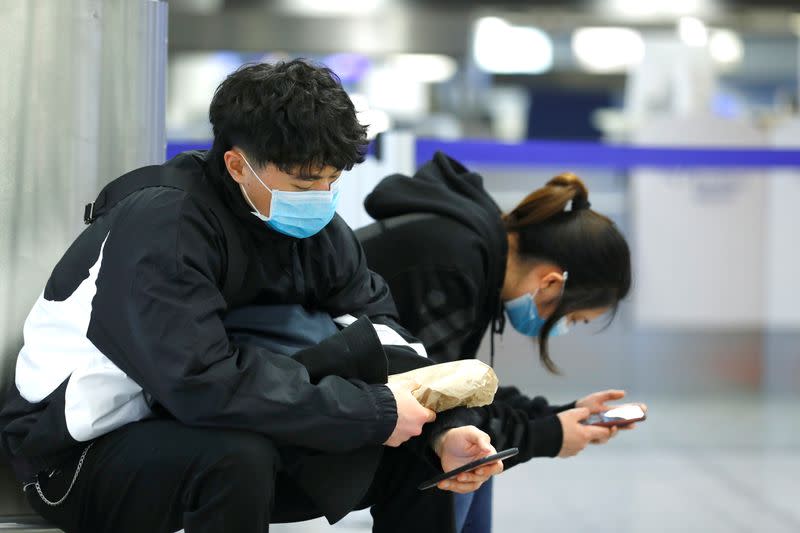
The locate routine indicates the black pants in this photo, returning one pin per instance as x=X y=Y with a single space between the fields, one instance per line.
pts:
x=161 y=476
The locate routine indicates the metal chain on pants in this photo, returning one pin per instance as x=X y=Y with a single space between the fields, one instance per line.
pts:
x=72 y=483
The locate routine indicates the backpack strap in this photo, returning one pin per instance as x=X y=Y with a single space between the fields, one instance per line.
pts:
x=182 y=174
x=376 y=230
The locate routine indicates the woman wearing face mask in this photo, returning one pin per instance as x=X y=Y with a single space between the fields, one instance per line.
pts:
x=457 y=265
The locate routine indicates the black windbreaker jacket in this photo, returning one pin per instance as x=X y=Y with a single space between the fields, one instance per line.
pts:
x=130 y=326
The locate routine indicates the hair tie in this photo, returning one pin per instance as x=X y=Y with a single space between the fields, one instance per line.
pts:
x=578 y=204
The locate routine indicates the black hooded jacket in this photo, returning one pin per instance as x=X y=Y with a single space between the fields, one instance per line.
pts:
x=440 y=244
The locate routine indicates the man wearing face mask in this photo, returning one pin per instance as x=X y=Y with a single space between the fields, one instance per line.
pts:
x=133 y=408
x=457 y=267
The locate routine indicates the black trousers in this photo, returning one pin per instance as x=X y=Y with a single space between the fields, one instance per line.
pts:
x=161 y=476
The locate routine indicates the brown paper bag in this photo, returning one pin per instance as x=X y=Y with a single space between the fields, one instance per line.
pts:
x=467 y=383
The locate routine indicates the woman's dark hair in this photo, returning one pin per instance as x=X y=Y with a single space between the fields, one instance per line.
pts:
x=290 y=113
x=555 y=224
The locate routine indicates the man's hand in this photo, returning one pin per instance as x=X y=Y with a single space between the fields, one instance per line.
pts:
x=576 y=435
x=459 y=446
x=411 y=416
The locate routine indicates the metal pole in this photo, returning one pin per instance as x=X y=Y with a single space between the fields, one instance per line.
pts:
x=82 y=101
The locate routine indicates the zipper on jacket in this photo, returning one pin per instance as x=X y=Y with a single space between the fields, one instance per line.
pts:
x=297 y=272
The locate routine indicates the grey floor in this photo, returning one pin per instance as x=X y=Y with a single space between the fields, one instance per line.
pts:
x=705 y=464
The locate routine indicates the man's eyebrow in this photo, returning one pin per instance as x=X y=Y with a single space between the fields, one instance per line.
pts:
x=307 y=176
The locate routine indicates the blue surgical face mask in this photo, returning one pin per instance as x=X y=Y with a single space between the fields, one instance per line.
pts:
x=524 y=316
x=297 y=214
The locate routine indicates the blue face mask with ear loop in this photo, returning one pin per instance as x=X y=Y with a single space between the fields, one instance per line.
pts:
x=297 y=214
x=524 y=315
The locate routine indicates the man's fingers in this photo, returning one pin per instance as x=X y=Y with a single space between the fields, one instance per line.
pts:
x=489 y=470
x=411 y=385
x=474 y=480
x=431 y=415
x=486 y=448
x=461 y=488
x=493 y=468
x=471 y=477
x=614 y=394
x=481 y=474
x=408 y=384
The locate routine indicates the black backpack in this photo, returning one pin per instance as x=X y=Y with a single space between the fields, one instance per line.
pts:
x=181 y=173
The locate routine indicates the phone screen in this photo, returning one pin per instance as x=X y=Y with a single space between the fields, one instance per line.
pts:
x=618 y=416
x=505 y=454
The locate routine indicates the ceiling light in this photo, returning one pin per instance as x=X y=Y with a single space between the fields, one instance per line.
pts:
x=605 y=50
x=726 y=47
x=427 y=68
x=649 y=9
x=501 y=48
x=692 y=31
x=330 y=8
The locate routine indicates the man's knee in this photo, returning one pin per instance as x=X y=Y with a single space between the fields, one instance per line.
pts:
x=245 y=455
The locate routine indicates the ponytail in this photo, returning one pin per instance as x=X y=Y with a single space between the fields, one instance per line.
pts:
x=563 y=191
x=556 y=224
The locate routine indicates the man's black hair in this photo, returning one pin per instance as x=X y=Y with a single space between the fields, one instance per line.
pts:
x=290 y=114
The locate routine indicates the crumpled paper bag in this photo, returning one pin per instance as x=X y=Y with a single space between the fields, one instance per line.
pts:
x=467 y=383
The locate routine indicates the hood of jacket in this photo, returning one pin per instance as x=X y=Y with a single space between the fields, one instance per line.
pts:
x=445 y=187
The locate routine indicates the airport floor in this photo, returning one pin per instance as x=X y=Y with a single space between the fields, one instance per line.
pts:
x=710 y=464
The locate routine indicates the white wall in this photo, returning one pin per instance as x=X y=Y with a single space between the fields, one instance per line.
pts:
x=397 y=156
x=699 y=234
x=782 y=238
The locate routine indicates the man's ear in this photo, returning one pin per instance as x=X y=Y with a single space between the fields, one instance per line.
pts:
x=235 y=164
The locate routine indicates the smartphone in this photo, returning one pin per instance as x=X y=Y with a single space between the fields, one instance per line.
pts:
x=505 y=454
x=618 y=416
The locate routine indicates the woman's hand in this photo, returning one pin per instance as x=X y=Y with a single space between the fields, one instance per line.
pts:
x=596 y=402
x=576 y=436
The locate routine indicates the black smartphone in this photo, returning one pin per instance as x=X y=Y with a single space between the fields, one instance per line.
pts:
x=505 y=454
x=621 y=415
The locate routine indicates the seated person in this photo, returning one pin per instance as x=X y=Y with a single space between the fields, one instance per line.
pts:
x=133 y=410
x=457 y=266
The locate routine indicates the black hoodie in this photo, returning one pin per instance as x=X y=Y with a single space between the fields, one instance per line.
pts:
x=440 y=244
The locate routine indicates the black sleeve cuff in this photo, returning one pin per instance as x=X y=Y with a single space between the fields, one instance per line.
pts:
x=545 y=437
x=387 y=412
x=555 y=409
x=422 y=446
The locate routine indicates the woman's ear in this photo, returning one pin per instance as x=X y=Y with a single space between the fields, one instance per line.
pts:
x=554 y=277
